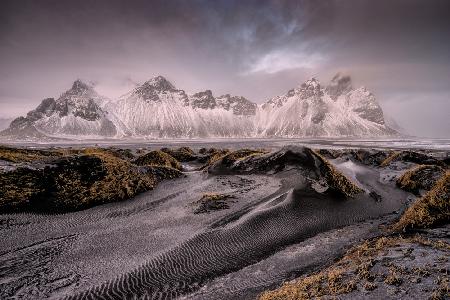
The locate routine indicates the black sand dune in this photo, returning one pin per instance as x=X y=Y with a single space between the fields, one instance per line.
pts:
x=155 y=247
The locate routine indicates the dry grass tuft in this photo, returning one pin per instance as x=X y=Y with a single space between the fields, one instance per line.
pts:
x=430 y=210
x=413 y=157
x=330 y=282
x=419 y=177
x=390 y=158
x=354 y=270
x=211 y=202
x=241 y=154
x=442 y=291
x=335 y=179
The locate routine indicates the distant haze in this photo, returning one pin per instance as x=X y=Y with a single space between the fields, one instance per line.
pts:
x=399 y=49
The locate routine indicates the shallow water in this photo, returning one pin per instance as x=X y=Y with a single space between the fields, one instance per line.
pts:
x=382 y=143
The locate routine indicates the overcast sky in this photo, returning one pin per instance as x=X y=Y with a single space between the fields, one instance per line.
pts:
x=400 y=50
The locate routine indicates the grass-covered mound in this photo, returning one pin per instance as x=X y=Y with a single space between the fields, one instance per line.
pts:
x=370 y=267
x=241 y=154
x=364 y=156
x=413 y=157
x=308 y=162
x=335 y=179
x=158 y=158
x=421 y=177
x=79 y=179
x=211 y=155
x=18 y=155
x=430 y=210
x=163 y=172
x=371 y=157
x=182 y=154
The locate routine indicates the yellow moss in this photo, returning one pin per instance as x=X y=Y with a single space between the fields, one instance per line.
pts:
x=26 y=155
x=431 y=209
x=73 y=183
x=119 y=153
x=158 y=158
x=181 y=154
x=121 y=180
x=18 y=188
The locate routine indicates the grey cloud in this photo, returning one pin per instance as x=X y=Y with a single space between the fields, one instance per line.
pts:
x=258 y=49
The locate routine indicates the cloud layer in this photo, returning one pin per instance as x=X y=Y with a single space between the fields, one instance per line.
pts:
x=258 y=49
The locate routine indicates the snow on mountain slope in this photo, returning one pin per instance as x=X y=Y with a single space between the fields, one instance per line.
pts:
x=157 y=109
x=76 y=112
x=311 y=110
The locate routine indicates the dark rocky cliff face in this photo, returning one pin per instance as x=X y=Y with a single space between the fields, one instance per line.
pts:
x=203 y=100
x=239 y=105
x=150 y=89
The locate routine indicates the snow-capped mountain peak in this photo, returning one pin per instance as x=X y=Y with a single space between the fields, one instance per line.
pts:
x=151 y=89
x=311 y=110
x=76 y=112
x=157 y=109
x=203 y=100
x=310 y=88
x=238 y=104
x=80 y=88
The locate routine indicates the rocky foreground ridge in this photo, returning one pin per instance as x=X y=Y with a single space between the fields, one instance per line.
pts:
x=387 y=201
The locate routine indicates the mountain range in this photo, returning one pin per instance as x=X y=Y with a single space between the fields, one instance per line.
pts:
x=157 y=109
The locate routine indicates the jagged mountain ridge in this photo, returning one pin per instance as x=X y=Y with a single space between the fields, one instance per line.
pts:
x=76 y=112
x=157 y=109
x=311 y=110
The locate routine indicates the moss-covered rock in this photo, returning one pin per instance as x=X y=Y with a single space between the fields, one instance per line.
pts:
x=17 y=155
x=331 y=153
x=163 y=172
x=124 y=154
x=310 y=163
x=371 y=157
x=182 y=154
x=72 y=183
x=211 y=155
x=241 y=154
x=430 y=210
x=335 y=179
x=158 y=158
x=421 y=177
x=412 y=157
